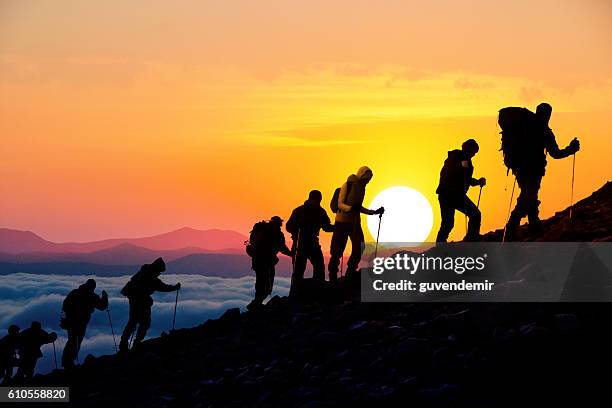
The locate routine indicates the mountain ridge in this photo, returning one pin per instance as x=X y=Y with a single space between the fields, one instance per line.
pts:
x=14 y=241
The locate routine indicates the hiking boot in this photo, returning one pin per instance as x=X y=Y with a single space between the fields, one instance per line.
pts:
x=472 y=238
x=535 y=226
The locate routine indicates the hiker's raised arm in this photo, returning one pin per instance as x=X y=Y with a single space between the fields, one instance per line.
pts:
x=553 y=148
x=326 y=225
x=164 y=287
x=102 y=302
x=367 y=211
x=478 y=182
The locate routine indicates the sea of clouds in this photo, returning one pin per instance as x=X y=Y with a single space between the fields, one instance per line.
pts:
x=28 y=297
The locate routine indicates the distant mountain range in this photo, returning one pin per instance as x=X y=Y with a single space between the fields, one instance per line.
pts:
x=186 y=250
x=213 y=240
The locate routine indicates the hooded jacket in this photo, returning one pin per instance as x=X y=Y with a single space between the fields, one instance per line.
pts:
x=146 y=282
x=352 y=193
x=456 y=175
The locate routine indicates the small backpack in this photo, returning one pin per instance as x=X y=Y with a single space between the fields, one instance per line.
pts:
x=258 y=235
x=131 y=287
x=333 y=204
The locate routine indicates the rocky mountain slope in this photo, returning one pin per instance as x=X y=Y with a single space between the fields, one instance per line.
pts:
x=349 y=353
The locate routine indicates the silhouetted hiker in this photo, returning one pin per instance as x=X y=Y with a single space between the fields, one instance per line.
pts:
x=30 y=342
x=265 y=242
x=138 y=291
x=455 y=180
x=8 y=349
x=348 y=208
x=525 y=138
x=304 y=225
x=77 y=309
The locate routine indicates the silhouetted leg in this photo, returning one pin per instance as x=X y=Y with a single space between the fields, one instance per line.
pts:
x=474 y=217
x=299 y=268
x=533 y=204
x=357 y=247
x=129 y=327
x=271 y=275
x=447 y=213
x=262 y=282
x=26 y=368
x=144 y=322
x=340 y=236
x=318 y=264
x=70 y=349
x=6 y=371
x=525 y=202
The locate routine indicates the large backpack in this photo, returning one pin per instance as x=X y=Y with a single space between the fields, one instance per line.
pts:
x=132 y=287
x=516 y=124
x=333 y=204
x=259 y=235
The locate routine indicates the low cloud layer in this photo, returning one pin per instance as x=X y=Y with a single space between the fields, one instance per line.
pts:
x=28 y=297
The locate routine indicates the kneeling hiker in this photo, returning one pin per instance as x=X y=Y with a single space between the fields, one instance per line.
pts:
x=265 y=242
x=30 y=341
x=304 y=225
x=138 y=291
x=455 y=180
x=347 y=203
x=78 y=307
x=8 y=349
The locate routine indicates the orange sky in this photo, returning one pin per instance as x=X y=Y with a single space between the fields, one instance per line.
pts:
x=127 y=118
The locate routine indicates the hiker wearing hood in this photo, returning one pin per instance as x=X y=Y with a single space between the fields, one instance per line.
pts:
x=528 y=163
x=348 y=222
x=8 y=349
x=455 y=180
x=138 y=291
x=304 y=225
x=76 y=313
x=29 y=343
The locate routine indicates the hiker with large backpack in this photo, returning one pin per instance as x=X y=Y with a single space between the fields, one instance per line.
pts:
x=138 y=290
x=266 y=240
x=76 y=313
x=347 y=203
x=526 y=138
x=455 y=180
x=304 y=225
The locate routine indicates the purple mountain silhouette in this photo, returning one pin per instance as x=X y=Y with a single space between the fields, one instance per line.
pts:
x=185 y=240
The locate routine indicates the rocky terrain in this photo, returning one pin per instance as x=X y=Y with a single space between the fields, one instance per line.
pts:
x=347 y=353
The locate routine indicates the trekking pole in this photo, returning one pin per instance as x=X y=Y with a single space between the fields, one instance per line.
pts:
x=55 y=354
x=479 y=194
x=342 y=265
x=112 y=330
x=572 y=194
x=295 y=246
x=175 y=303
x=509 y=207
x=378 y=234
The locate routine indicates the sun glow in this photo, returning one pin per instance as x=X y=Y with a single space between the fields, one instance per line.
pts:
x=408 y=216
